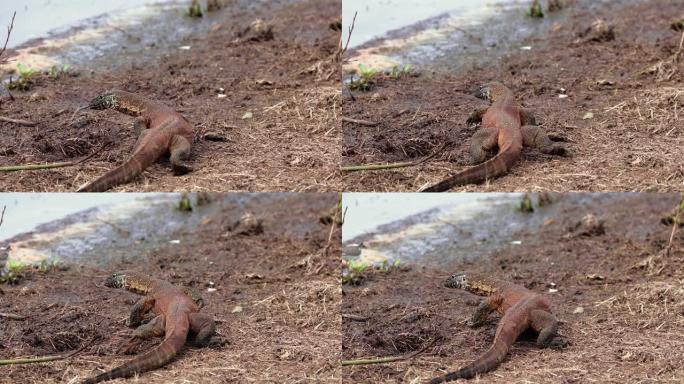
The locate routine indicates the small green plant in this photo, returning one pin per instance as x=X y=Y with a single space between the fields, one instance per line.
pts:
x=354 y=272
x=535 y=10
x=184 y=204
x=56 y=72
x=24 y=82
x=13 y=272
x=46 y=265
x=195 y=9
x=364 y=81
x=526 y=204
x=397 y=73
x=386 y=267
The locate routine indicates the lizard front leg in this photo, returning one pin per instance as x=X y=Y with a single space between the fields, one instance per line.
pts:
x=536 y=137
x=140 y=308
x=527 y=117
x=155 y=328
x=483 y=310
x=476 y=116
x=483 y=141
x=194 y=295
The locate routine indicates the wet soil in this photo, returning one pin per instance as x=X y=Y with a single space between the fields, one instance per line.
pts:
x=627 y=71
x=288 y=84
x=280 y=277
x=619 y=299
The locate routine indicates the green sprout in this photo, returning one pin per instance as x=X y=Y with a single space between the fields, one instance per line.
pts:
x=364 y=82
x=354 y=273
x=23 y=83
x=195 y=9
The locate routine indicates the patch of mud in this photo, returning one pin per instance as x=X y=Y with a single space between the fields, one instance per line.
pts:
x=275 y=295
x=618 y=121
x=617 y=294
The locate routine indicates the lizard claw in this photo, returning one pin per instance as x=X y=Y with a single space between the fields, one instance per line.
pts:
x=181 y=169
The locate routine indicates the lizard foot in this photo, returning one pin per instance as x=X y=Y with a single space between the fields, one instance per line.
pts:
x=557 y=137
x=181 y=169
x=558 y=342
x=129 y=347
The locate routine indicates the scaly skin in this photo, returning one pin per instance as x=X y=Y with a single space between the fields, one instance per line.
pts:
x=160 y=129
x=521 y=309
x=177 y=318
x=506 y=125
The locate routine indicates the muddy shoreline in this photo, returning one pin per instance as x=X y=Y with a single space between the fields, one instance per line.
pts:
x=629 y=293
x=611 y=96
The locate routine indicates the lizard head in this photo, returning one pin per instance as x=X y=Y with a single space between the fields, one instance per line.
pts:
x=115 y=280
x=492 y=91
x=459 y=281
x=104 y=101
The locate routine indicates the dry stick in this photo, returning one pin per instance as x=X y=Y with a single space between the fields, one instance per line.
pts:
x=2 y=216
x=9 y=32
x=381 y=360
x=44 y=359
x=330 y=235
x=12 y=316
x=675 y=224
x=18 y=121
x=367 y=123
x=373 y=167
x=30 y=167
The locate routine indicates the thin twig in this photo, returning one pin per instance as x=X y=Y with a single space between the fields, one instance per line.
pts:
x=44 y=359
x=2 y=216
x=12 y=316
x=367 y=123
x=675 y=224
x=30 y=167
x=9 y=32
x=18 y=121
x=374 y=167
x=332 y=229
x=381 y=360
x=351 y=29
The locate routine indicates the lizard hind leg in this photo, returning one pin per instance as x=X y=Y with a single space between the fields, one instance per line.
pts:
x=155 y=328
x=483 y=141
x=536 y=137
x=179 y=152
x=203 y=331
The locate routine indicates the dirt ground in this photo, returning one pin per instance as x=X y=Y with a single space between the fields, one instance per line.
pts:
x=285 y=283
x=629 y=77
x=289 y=84
x=629 y=327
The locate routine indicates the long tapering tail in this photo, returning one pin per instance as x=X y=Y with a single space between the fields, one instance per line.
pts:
x=494 y=167
x=152 y=359
x=505 y=337
x=124 y=173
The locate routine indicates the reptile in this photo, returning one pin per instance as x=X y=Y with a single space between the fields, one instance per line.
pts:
x=520 y=308
x=160 y=131
x=177 y=319
x=506 y=125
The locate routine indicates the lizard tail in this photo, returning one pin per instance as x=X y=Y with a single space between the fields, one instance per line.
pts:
x=506 y=335
x=494 y=167
x=152 y=359
x=124 y=173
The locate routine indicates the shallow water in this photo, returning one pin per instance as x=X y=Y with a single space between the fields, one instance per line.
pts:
x=108 y=36
x=375 y=19
x=35 y=18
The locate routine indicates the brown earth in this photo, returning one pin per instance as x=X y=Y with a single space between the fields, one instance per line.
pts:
x=289 y=83
x=630 y=78
x=630 y=292
x=285 y=282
